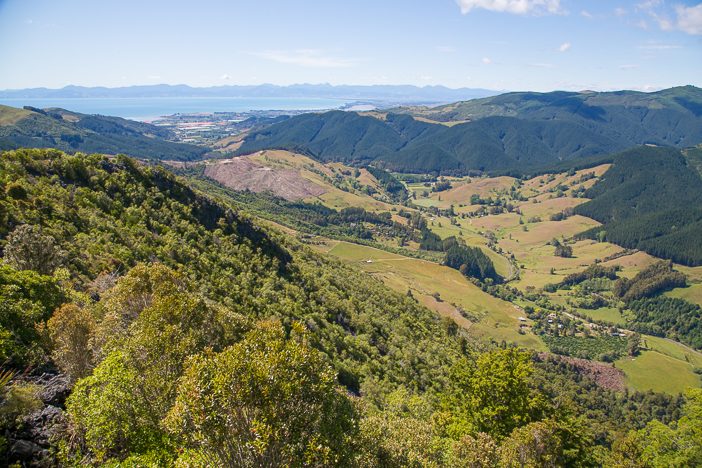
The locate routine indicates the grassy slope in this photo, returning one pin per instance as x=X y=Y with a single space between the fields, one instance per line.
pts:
x=665 y=367
x=498 y=319
x=11 y=115
x=692 y=293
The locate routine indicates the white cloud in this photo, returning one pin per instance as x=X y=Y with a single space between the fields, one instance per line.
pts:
x=312 y=58
x=487 y=60
x=586 y=14
x=564 y=47
x=445 y=49
x=628 y=66
x=619 y=11
x=689 y=19
x=225 y=77
x=517 y=7
x=648 y=4
x=541 y=65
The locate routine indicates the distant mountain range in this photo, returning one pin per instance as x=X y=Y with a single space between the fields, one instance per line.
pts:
x=509 y=132
x=71 y=131
x=383 y=93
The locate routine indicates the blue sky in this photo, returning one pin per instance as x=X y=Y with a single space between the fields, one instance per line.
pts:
x=498 y=44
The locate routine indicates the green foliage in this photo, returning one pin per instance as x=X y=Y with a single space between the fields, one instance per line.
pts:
x=652 y=280
x=149 y=324
x=668 y=316
x=431 y=241
x=70 y=330
x=394 y=187
x=27 y=299
x=113 y=417
x=28 y=249
x=168 y=363
x=441 y=186
x=650 y=199
x=563 y=250
x=17 y=400
x=660 y=445
x=603 y=348
x=547 y=443
x=492 y=394
x=111 y=214
x=402 y=434
x=266 y=401
x=352 y=224
x=593 y=271
x=471 y=261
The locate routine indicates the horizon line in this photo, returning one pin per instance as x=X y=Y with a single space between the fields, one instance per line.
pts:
x=327 y=84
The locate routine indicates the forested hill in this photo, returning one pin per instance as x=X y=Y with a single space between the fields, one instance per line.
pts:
x=651 y=199
x=514 y=131
x=72 y=131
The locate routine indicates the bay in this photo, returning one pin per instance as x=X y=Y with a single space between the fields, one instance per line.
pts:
x=146 y=109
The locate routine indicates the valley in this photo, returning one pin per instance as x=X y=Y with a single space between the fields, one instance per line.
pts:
x=403 y=290
x=517 y=234
x=457 y=234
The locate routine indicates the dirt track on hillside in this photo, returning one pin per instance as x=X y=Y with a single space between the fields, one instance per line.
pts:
x=242 y=173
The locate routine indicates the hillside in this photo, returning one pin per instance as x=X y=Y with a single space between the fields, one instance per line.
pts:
x=187 y=334
x=514 y=131
x=650 y=199
x=71 y=131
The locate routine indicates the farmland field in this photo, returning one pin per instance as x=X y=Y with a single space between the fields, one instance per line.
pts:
x=497 y=319
x=655 y=371
x=692 y=293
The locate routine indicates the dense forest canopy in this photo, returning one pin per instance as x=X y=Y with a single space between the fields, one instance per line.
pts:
x=650 y=199
x=509 y=132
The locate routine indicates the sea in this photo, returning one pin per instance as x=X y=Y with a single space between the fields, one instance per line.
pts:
x=148 y=109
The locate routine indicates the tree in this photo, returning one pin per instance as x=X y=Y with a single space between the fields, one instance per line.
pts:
x=265 y=401
x=110 y=412
x=493 y=394
x=658 y=444
x=399 y=435
x=479 y=451
x=28 y=249
x=148 y=325
x=633 y=344
x=562 y=250
x=548 y=443
x=71 y=329
x=26 y=301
